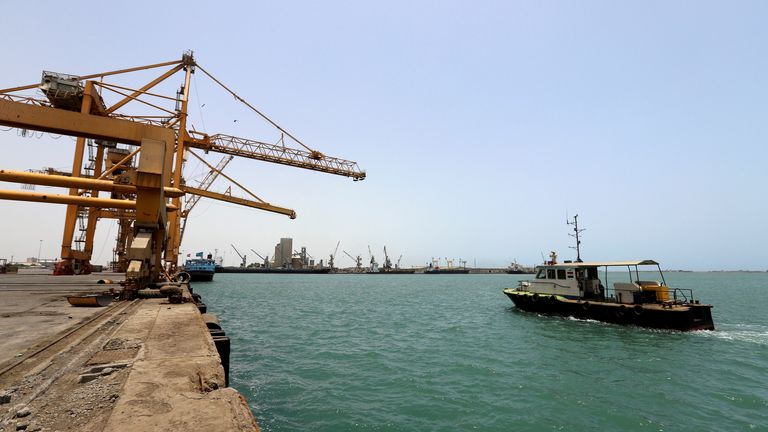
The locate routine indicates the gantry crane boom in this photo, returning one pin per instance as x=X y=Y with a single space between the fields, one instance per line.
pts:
x=311 y=160
x=244 y=202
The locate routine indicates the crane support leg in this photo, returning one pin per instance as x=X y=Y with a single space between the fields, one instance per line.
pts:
x=149 y=230
x=90 y=229
x=174 y=230
x=67 y=266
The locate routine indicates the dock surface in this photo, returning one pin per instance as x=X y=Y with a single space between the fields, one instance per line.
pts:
x=142 y=365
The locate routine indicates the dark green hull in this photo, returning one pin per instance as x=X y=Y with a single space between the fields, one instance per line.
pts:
x=683 y=317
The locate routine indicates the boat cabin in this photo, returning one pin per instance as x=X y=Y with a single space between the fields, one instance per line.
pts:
x=580 y=280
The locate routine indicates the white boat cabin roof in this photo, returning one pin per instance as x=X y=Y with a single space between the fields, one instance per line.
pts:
x=599 y=264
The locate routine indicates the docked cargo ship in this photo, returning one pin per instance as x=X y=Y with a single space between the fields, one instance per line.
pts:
x=279 y=270
x=451 y=270
x=575 y=289
x=200 y=269
x=394 y=271
x=435 y=268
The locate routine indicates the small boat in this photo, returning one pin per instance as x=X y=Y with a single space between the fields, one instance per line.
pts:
x=516 y=268
x=90 y=300
x=575 y=289
x=200 y=269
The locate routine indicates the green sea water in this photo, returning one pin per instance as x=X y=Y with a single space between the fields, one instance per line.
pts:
x=451 y=352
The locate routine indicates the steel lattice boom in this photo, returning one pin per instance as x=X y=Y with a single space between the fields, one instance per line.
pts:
x=312 y=160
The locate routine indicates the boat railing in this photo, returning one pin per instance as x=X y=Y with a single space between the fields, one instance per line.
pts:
x=684 y=295
x=676 y=295
x=523 y=285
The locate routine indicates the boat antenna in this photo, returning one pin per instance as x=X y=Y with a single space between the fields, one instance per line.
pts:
x=576 y=234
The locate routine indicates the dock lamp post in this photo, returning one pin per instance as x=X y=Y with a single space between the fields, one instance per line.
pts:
x=39 y=248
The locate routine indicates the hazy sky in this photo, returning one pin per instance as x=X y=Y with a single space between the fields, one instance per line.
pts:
x=480 y=124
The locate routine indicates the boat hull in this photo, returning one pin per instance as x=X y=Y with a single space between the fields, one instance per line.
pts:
x=270 y=270
x=685 y=317
x=200 y=269
x=398 y=271
x=518 y=272
x=200 y=276
x=447 y=271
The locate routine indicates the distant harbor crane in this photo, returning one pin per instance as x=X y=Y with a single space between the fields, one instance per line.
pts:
x=243 y=264
x=304 y=256
x=374 y=266
x=265 y=258
x=358 y=261
x=387 y=262
x=333 y=255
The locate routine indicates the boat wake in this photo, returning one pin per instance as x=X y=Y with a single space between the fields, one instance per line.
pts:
x=752 y=333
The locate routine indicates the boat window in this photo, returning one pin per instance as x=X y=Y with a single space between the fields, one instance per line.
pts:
x=569 y=274
x=542 y=274
x=550 y=273
x=561 y=273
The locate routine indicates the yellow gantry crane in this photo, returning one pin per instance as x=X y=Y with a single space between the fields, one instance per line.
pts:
x=205 y=183
x=145 y=176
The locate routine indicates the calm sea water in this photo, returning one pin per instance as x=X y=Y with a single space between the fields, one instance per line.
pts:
x=451 y=352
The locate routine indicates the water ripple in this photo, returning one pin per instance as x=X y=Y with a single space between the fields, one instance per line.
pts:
x=421 y=353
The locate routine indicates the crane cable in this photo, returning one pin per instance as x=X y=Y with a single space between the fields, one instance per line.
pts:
x=255 y=110
x=226 y=176
x=199 y=107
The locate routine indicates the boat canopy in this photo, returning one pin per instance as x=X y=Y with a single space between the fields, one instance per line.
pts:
x=601 y=264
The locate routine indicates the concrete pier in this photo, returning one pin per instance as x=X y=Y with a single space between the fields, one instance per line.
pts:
x=143 y=365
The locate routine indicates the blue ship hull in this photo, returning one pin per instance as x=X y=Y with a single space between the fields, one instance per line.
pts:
x=200 y=270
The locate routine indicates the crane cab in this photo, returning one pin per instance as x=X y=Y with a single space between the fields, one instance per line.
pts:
x=581 y=280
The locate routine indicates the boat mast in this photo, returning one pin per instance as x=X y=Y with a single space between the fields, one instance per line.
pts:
x=576 y=231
